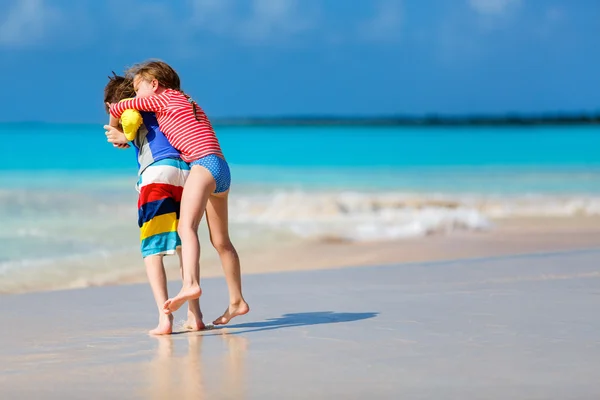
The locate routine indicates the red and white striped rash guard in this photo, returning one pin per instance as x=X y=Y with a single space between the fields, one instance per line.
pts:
x=193 y=138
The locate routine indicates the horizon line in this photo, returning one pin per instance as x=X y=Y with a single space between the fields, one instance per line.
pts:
x=512 y=118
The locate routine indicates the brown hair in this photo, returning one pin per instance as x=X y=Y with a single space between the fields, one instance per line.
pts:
x=164 y=74
x=117 y=89
x=156 y=69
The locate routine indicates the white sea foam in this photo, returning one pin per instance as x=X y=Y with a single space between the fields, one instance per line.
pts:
x=61 y=240
x=377 y=216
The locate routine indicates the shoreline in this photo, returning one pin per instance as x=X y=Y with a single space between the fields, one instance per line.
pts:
x=508 y=237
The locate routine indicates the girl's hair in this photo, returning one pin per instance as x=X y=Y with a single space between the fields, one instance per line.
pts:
x=164 y=74
x=117 y=89
x=156 y=69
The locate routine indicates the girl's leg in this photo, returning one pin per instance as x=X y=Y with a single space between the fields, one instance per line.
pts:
x=155 y=270
x=200 y=183
x=217 y=219
x=194 y=320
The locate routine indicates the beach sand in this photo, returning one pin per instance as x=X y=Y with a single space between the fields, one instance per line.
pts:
x=507 y=313
x=507 y=327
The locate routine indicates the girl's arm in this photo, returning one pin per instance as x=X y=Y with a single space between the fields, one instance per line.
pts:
x=152 y=103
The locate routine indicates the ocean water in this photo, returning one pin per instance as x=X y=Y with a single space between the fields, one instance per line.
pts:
x=68 y=203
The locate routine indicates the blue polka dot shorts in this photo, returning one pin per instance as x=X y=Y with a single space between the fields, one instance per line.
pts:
x=218 y=168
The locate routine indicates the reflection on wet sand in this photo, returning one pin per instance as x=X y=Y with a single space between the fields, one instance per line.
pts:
x=172 y=375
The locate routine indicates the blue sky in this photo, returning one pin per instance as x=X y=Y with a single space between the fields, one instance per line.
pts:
x=306 y=57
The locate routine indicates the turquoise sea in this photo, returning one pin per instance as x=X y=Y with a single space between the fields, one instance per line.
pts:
x=68 y=203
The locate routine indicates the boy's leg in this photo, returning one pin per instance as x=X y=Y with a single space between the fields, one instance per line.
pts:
x=217 y=219
x=160 y=187
x=158 y=282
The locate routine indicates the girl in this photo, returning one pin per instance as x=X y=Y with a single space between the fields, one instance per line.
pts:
x=161 y=179
x=188 y=129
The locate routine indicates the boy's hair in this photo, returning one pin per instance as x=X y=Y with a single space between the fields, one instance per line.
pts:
x=156 y=69
x=117 y=89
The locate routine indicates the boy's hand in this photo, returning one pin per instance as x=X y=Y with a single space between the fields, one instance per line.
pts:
x=114 y=135
x=121 y=146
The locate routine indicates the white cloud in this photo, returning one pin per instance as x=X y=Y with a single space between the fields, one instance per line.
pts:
x=255 y=21
x=216 y=16
x=493 y=7
x=494 y=15
x=386 y=24
x=273 y=18
x=27 y=22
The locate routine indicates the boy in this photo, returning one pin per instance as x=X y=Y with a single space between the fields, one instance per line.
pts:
x=162 y=175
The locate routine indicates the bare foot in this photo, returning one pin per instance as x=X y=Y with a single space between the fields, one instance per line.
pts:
x=165 y=326
x=184 y=295
x=232 y=311
x=194 y=322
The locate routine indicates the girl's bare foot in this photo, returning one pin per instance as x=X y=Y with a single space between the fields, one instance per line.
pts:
x=165 y=326
x=194 y=322
x=232 y=311
x=186 y=294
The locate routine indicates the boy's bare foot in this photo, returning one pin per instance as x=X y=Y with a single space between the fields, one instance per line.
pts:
x=232 y=311
x=194 y=322
x=165 y=326
x=184 y=295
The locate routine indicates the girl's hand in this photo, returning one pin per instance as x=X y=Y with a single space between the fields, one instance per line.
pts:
x=114 y=135
x=121 y=146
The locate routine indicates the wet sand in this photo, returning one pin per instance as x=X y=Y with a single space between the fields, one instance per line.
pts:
x=509 y=236
x=518 y=327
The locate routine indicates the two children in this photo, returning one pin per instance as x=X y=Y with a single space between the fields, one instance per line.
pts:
x=170 y=126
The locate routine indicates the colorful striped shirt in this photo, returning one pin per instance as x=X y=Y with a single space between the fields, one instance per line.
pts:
x=191 y=134
x=150 y=143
